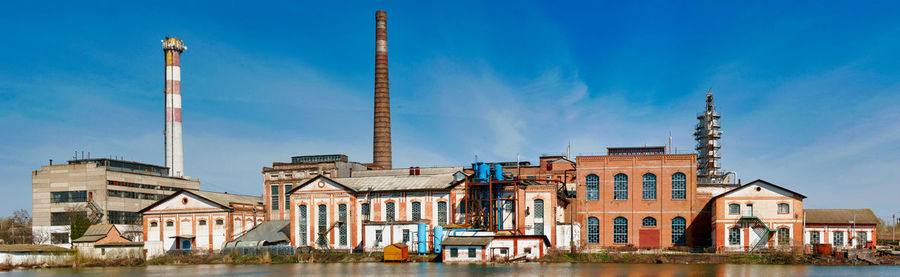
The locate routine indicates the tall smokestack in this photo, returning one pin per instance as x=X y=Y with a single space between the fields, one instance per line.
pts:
x=174 y=152
x=382 y=139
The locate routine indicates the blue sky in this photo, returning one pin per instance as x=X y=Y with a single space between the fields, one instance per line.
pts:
x=809 y=91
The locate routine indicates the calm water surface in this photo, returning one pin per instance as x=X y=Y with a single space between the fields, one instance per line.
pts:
x=431 y=269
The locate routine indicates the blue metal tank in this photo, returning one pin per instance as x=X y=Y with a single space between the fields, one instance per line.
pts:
x=438 y=237
x=481 y=172
x=423 y=238
x=498 y=172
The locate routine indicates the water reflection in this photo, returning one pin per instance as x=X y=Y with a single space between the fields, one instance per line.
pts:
x=440 y=270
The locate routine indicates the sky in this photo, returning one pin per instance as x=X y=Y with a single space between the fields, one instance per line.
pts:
x=809 y=91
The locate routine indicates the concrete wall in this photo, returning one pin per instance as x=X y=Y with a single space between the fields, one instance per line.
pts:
x=33 y=258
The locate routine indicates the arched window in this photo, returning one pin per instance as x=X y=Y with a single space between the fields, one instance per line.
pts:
x=416 y=211
x=153 y=224
x=323 y=224
x=620 y=187
x=679 y=186
x=648 y=222
x=592 y=183
x=342 y=216
x=593 y=230
x=734 y=208
x=620 y=230
x=539 y=216
x=220 y=222
x=784 y=236
x=364 y=210
x=678 y=226
x=649 y=192
x=389 y=211
x=734 y=236
x=202 y=222
x=301 y=221
x=784 y=208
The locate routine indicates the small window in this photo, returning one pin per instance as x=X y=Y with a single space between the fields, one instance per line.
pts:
x=784 y=236
x=170 y=223
x=454 y=252
x=838 y=239
x=734 y=236
x=471 y=252
x=784 y=208
x=201 y=222
x=503 y=251
x=814 y=237
x=527 y=251
x=648 y=222
x=405 y=235
x=153 y=224
x=734 y=208
x=378 y=236
x=220 y=222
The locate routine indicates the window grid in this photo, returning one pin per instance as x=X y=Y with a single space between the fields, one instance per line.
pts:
x=342 y=216
x=364 y=207
x=442 y=213
x=389 y=212
x=734 y=236
x=679 y=186
x=648 y=222
x=678 y=226
x=593 y=228
x=838 y=238
x=862 y=238
x=323 y=221
x=302 y=222
x=784 y=236
x=734 y=208
x=814 y=237
x=287 y=197
x=593 y=187
x=620 y=230
x=405 y=235
x=275 y=197
x=539 y=208
x=649 y=187
x=416 y=211
x=620 y=187
x=539 y=228
x=784 y=208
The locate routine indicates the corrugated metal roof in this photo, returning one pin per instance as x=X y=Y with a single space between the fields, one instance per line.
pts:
x=467 y=241
x=405 y=171
x=268 y=231
x=394 y=183
x=225 y=198
x=840 y=216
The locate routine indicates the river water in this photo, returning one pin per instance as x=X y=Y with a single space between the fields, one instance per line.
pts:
x=436 y=269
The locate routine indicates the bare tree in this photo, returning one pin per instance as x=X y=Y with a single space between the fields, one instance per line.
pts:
x=17 y=228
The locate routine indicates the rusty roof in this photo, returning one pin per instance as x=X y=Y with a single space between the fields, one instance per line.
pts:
x=840 y=216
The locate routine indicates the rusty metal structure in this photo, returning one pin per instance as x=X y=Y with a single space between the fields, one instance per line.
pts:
x=172 y=47
x=382 y=131
x=493 y=196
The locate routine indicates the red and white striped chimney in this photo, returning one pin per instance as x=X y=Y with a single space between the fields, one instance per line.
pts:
x=174 y=151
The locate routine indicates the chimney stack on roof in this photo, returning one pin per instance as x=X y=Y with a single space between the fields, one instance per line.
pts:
x=382 y=131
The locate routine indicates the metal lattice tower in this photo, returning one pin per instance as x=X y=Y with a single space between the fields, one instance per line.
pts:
x=707 y=135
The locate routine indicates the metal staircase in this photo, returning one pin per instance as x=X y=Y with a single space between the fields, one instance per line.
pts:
x=94 y=212
x=764 y=238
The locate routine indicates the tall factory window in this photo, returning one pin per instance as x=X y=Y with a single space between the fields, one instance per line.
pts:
x=405 y=235
x=287 y=196
x=342 y=216
x=648 y=222
x=784 y=208
x=814 y=237
x=416 y=211
x=620 y=230
x=679 y=186
x=593 y=187
x=275 y=197
x=389 y=211
x=364 y=207
x=539 y=208
x=734 y=236
x=538 y=228
x=838 y=238
x=620 y=187
x=649 y=186
x=784 y=236
x=678 y=226
x=442 y=213
x=734 y=208
x=593 y=230
x=301 y=220
x=323 y=224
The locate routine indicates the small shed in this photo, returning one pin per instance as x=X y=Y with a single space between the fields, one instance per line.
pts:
x=397 y=252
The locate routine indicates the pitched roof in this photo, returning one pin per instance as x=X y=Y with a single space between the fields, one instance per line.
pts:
x=221 y=199
x=405 y=171
x=268 y=231
x=801 y=196
x=467 y=241
x=840 y=216
x=391 y=182
x=95 y=233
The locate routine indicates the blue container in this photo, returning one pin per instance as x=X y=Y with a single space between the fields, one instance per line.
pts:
x=481 y=172
x=438 y=237
x=423 y=238
x=498 y=172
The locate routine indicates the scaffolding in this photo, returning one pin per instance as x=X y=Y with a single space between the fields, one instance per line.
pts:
x=490 y=199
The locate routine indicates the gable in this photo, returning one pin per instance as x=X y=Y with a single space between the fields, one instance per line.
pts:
x=321 y=184
x=177 y=202
x=760 y=189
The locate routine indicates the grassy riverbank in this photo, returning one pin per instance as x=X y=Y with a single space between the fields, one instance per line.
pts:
x=709 y=258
